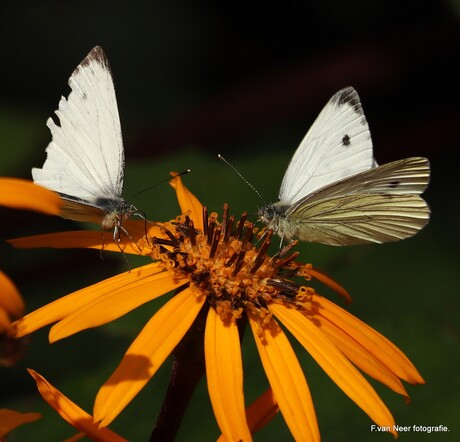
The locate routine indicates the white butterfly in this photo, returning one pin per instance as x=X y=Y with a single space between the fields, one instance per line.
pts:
x=334 y=193
x=85 y=159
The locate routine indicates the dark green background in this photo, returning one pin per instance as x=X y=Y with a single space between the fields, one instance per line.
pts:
x=244 y=80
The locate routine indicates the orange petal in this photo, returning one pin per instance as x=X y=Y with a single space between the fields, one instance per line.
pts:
x=259 y=413
x=329 y=282
x=286 y=379
x=224 y=373
x=69 y=304
x=188 y=202
x=25 y=195
x=88 y=239
x=144 y=357
x=111 y=305
x=383 y=349
x=334 y=363
x=10 y=299
x=360 y=357
x=262 y=411
x=71 y=412
x=10 y=419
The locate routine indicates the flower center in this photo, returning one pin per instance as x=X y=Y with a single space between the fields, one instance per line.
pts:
x=224 y=264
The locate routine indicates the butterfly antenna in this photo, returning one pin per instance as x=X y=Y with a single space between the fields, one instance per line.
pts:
x=185 y=172
x=241 y=176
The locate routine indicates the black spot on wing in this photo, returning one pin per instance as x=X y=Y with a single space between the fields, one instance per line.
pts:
x=394 y=184
x=346 y=141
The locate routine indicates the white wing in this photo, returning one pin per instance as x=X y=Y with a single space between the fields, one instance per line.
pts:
x=85 y=159
x=337 y=146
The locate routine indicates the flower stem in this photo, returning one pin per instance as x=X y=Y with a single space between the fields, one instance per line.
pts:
x=187 y=370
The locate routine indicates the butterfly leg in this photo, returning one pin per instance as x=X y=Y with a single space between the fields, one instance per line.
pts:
x=117 y=235
x=141 y=215
x=281 y=242
x=263 y=236
x=101 y=256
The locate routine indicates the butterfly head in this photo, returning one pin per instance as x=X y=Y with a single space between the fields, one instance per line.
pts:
x=273 y=215
x=116 y=212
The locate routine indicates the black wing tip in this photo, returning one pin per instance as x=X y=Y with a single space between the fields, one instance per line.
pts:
x=348 y=95
x=97 y=52
x=97 y=55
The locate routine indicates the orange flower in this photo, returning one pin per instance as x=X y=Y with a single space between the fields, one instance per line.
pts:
x=217 y=271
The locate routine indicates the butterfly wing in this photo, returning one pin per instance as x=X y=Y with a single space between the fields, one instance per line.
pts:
x=85 y=159
x=407 y=176
x=82 y=211
x=376 y=206
x=337 y=146
x=361 y=219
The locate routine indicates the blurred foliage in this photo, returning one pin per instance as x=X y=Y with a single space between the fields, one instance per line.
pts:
x=196 y=80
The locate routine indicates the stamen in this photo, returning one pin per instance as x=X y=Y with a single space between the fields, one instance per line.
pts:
x=191 y=233
x=239 y=228
x=205 y=221
x=171 y=236
x=239 y=262
x=257 y=263
x=232 y=259
x=228 y=229
x=211 y=227
x=248 y=236
x=285 y=250
x=283 y=262
x=288 y=288
x=182 y=228
x=215 y=241
x=224 y=219
x=261 y=254
x=165 y=242
x=289 y=247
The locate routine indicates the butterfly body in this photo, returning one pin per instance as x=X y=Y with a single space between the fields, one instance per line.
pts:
x=333 y=191
x=85 y=158
x=105 y=211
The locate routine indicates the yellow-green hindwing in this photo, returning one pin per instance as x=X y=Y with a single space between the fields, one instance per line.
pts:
x=359 y=218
